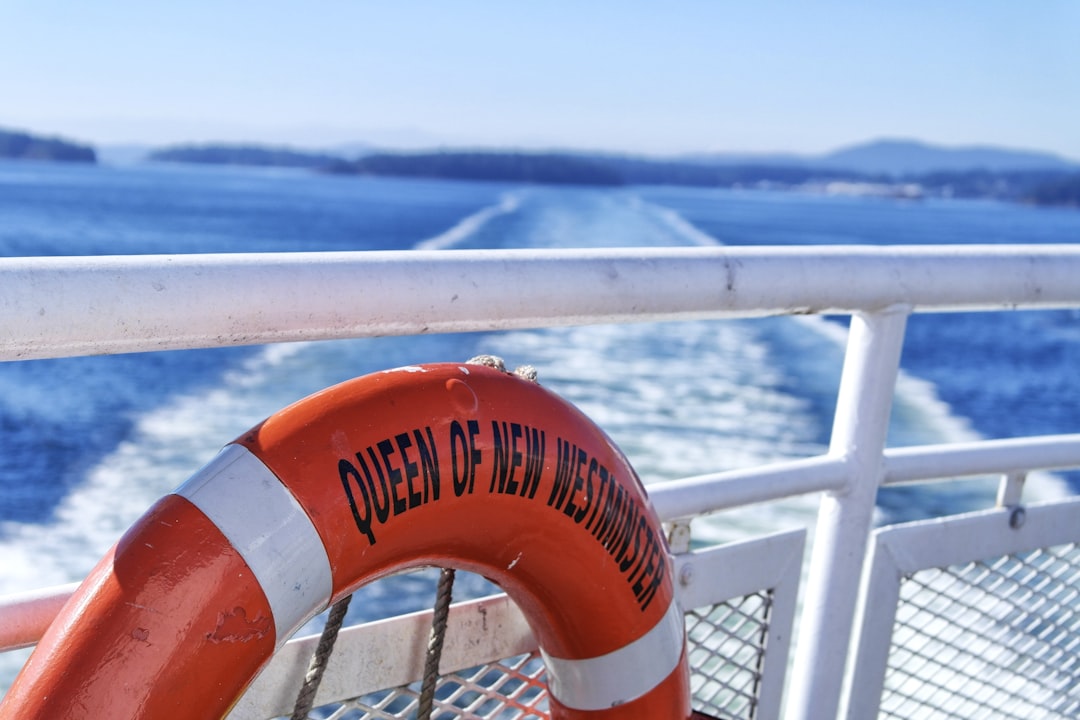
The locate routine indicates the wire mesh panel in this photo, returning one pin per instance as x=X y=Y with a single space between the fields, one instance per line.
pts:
x=973 y=616
x=742 y=597
x=1001 y=634
x=726 y=648
x=512 y=689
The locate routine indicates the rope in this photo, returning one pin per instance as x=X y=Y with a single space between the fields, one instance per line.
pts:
x=435 y=643
x=446 y=582
x=525 y=372
x=305 y=699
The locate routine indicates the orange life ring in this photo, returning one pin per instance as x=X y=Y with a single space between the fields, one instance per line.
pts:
x=451 y=465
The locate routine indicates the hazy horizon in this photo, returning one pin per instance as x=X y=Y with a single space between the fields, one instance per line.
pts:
x=768 y=78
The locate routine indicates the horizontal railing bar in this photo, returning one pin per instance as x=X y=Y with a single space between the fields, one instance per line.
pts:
x=986 y=457
x=25 y=616
x=713 y=492
x=702 y=494
x=55 y=307
x=388 y=653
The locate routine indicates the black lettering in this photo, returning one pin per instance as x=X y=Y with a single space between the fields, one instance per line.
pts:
x=474 y=452
x=570 y=508
x=563 y=473
x=515 y=458
x=584 y=508
x=650 y=590
x=382 y=510
x=386 y=449
x=599 y=497
x=626 y=560
x=429 y=461
x=645 y=593
x=646 y=553
x=464 y=474
x=615 y=515
x=618 y=528
x=534 y=462
x=460 y=472
x=363 y=524
x=606 y=513
x=501 y=459
x=633 y=517
x=586 y=491
x=412 y=470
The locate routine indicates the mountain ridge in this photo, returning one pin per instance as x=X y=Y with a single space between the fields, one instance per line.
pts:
x=902 y=157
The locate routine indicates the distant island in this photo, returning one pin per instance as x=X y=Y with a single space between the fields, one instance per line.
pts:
x=544 y=168
x=1062 y=191
x=16 y=145
x=254 y=155
x=903 y=169
x=887 y=168
x=911 y=157
x=1041 y=187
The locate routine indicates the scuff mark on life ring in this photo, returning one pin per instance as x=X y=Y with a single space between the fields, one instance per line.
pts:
x=235 y=627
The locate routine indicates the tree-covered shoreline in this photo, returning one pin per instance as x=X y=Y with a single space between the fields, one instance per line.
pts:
x=1051 y=186
x=541 y=168
x=17 y=145
x=252 y=155
x=1063 y=191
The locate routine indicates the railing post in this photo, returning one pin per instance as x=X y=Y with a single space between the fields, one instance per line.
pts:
x=845 y=517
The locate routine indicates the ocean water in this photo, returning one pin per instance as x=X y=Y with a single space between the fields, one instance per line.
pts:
x=89 y=443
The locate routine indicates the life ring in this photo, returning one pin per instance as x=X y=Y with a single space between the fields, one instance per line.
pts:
x=449 y=465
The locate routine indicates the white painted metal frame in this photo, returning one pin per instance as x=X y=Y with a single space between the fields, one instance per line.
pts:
x=390 y=653
x=25 y=616
x=773 y=563
x=909 y=548
x=386 y=654
x=54 y=307
x=846 y=515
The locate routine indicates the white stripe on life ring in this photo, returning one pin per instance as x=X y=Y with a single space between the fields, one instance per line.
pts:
x=270 y=530
x=606 y=681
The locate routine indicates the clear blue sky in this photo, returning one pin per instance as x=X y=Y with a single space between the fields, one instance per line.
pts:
x=647 y=77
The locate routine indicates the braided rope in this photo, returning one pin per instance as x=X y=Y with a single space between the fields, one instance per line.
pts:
x=435 y=643
x=305 y=699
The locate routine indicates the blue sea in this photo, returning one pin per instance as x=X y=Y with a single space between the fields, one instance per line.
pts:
x=89 y=443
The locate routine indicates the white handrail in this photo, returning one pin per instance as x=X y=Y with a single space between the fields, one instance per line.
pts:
x=54 y=307
x=987 y=457
x=714 y=492
x=25 y=616
x=701 y=494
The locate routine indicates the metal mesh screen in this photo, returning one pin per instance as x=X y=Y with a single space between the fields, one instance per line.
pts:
x=999 y=638
x=512 y=689
x=726 y=646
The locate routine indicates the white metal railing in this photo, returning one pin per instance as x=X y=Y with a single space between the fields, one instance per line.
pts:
x=985 y=608
x=67 y=306
x=54 y=307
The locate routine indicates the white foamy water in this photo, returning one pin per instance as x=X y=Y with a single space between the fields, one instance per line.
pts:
x=680 y=399
x=470 y=225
